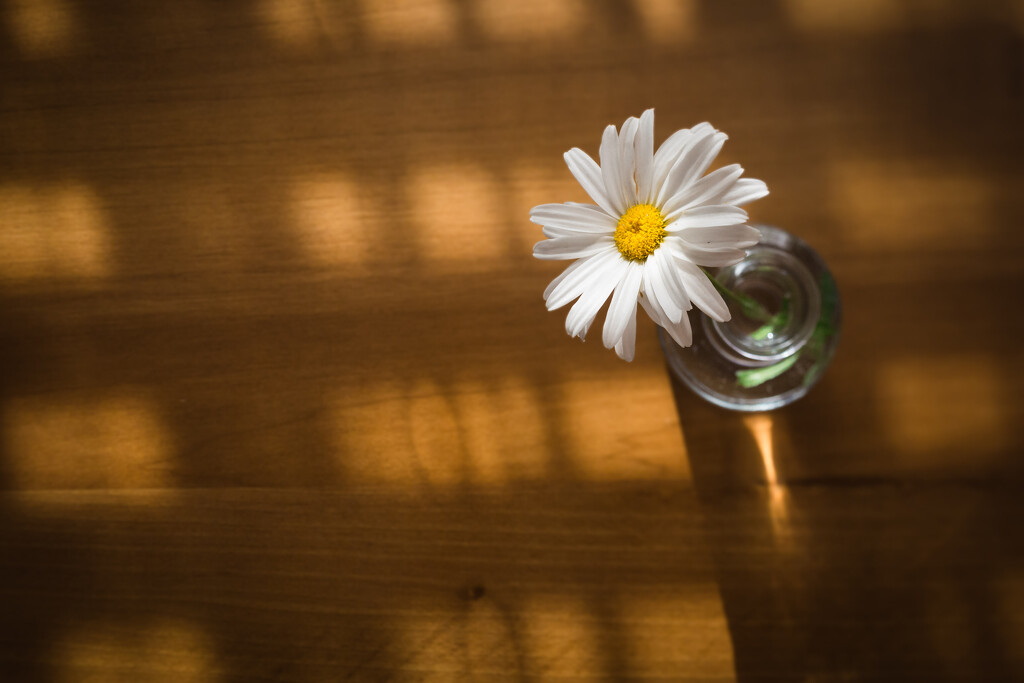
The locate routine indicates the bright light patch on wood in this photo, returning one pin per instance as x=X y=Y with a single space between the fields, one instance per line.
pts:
x=530 y=20
x=495 y=432
x=495 y=453
x=87 y=442
x=844 y=15
x=410 y=22
x=871 y=16
x=436 y=441
x=41 y=28
x=374 y=441
x=668 y=22
x=400 y=434
x=168 y=651
x=612 y=440
x=458 y=216
x=761 y=429
x=879 y=205
x=681 y=627
x=424 y=435
x=943 y=410
x=481 y=640
x=55 y=233
x=560 y=639
x=292 y=24
x=333 y=222
x=480 y=423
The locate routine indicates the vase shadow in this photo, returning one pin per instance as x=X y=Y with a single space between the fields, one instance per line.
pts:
x=826 y=577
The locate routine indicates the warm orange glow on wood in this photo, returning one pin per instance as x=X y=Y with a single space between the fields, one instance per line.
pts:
x=280 y=399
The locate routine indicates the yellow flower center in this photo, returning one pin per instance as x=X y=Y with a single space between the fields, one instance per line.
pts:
x=640 y=231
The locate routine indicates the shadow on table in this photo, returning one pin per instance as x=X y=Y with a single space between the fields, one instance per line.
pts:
x=212 y=211
x=836 y=571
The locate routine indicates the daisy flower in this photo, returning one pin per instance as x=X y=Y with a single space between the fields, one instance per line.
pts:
x=655 y=221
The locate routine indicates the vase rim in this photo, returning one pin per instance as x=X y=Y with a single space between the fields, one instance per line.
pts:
x=774 y=274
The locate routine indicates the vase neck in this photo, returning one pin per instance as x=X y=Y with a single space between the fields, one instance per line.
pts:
x=789 y=295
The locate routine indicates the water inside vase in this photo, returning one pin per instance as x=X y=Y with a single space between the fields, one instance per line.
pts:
x=790 y=300
x=764 y=359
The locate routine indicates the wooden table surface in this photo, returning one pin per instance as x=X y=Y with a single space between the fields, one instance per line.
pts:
x=280 y=399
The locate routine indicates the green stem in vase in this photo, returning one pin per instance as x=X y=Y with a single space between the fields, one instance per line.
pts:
x=750 y=306
x=776 y=322
x=753 y=309
x=754 y=377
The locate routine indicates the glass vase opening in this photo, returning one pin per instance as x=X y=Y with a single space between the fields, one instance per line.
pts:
x=769 y=354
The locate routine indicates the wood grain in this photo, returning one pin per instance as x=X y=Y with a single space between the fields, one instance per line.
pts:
x=280 y=399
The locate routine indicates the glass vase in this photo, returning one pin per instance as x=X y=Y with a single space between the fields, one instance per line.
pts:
x=770 y=355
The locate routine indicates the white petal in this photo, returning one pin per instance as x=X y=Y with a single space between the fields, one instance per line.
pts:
x=700 y=151
x=623 y=301
x=576 y=246
x=592 y=208
x=711 y=216
x=627 y=163
x=626 y=348
x=649 y=290
x=571 y=283
x=610 y=171
x=744 y=191
x=712 y=257
x=711 y=186
x=702 y=292
x=588 y=175
x=680 y=331
x=736 y=236
x=703 y=128
x=589 y=207
x=643 y=152
x=674 y=247
x=649 y=303
x=567 y=273
x=658 y=290
x=667 y=155
x=665 y=158
x=596 y=291
x=553 y=232
x=670 y=275
x=653 y=312
x=573 y=217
